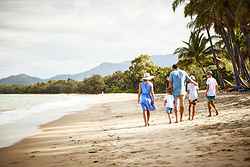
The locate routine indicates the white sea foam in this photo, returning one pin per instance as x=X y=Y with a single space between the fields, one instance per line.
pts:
x=60 y=106
x=21 y=115
x=31 y=111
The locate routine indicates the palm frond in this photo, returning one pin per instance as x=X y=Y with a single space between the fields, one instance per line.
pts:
x=177 y=3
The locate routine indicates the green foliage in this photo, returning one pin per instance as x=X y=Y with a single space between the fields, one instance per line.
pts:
x=161 y=75
x=195 y=51
x=231 y=22
x=92 y=85
x=118 y=82
x=139 y=66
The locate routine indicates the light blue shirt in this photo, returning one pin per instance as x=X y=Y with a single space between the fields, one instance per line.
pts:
x=179 y=79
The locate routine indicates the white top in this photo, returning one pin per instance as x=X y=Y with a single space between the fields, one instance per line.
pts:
x=170 y=101
x=211 y=83
x=192 y=91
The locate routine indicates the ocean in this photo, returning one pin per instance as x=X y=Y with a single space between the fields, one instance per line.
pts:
x=22 y=114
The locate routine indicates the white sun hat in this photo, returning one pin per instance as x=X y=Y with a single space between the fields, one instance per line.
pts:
x=147 y=76
x=192 y=77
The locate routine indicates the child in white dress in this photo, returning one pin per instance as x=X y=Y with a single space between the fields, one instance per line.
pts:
x=192 y=91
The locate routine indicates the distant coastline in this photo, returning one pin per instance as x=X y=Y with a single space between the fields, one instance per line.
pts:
x=103 y=69
x=118 y=81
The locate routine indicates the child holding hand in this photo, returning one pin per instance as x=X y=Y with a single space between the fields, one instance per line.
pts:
x=169 y=103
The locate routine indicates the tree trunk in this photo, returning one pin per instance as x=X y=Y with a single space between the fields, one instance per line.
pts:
x=215 y=59
x=239 y=60
x=204 y=71
x=246 y=34
x=227 y=40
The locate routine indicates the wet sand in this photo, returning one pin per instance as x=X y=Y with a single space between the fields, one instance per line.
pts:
x=112 y=134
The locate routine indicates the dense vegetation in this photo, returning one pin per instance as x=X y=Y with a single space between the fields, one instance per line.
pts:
x=126 y=81
x=228 y=52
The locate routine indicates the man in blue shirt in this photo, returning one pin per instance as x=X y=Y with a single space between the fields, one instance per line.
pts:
x=177 y=82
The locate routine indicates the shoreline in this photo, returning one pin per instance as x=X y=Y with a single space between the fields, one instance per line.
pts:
x=23 y=128
x=112 y=134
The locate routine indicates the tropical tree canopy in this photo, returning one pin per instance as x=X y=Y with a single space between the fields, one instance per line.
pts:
x=230 y=19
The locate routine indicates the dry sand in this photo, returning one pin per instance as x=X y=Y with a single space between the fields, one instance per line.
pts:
x=112 y=134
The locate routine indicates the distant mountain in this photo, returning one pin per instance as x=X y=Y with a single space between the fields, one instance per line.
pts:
x=102 y=69
x=108 y=68
x=164 y=60
x=20 y=79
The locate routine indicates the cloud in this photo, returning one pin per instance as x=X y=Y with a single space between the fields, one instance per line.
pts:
x=54 y=36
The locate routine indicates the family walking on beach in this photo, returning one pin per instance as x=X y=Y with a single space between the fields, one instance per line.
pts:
x=178 y=83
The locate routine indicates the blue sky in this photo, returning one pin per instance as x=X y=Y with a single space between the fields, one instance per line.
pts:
x=48 y=37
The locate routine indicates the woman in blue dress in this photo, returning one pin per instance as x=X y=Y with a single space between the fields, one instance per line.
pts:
x=146 y=97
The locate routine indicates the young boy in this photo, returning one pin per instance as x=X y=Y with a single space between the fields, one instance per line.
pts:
x=169 y=103
x=192 y=97
x=211 y=92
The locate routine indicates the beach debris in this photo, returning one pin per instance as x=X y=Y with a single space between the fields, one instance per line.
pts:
x=95 y=161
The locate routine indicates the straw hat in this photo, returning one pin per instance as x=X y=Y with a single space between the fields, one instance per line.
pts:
x=147 y=76
x=209 y=72
x=192 y=77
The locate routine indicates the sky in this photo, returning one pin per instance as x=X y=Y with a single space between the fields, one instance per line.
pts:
x=44 y=38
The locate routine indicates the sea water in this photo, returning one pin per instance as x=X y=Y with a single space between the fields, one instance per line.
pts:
x=21 y=115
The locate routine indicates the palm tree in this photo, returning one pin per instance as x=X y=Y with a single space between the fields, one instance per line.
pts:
x=201 y=21
x=196 y=50
x=226 y=17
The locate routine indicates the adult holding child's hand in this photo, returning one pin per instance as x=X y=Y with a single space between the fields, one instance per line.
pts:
x=177 y=81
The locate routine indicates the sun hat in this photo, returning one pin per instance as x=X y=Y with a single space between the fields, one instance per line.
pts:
x=147 y=76
x=192 y=77
x=210 y=72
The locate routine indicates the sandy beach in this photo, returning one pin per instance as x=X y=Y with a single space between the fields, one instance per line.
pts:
x=112 y=134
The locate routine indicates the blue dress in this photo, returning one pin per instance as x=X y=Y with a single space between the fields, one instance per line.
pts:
x=145 y=98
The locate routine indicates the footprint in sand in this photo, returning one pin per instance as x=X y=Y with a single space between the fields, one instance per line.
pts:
x=32 y=156
x=200 y=155
x=136 y=151
x=14 y=162
x=118 y=116
x=227 y=149
x=92 y=151
x=247 y=159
